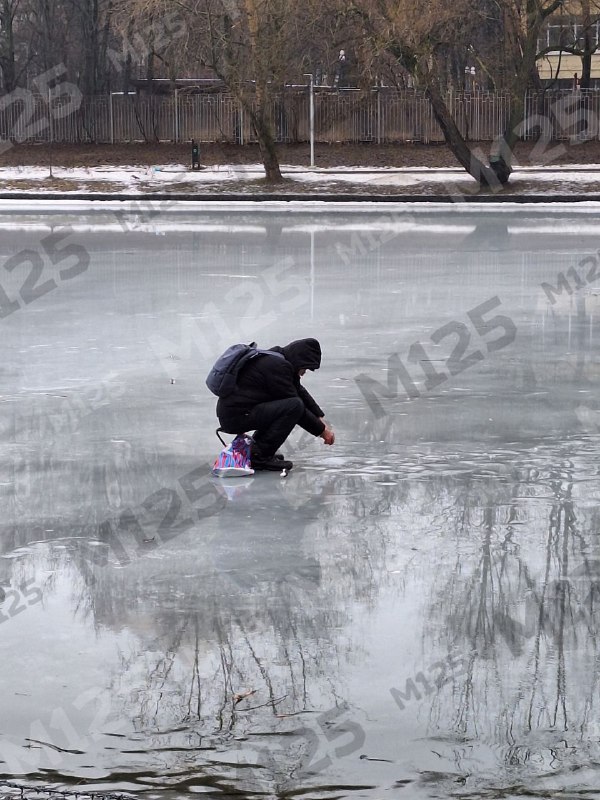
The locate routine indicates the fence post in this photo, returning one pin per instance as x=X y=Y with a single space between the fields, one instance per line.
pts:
x=241 y=124
x=111 y=118
x=378 y=116
x=176 y=117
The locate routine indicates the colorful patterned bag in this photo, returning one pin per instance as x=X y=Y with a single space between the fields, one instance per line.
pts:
x=234 y=460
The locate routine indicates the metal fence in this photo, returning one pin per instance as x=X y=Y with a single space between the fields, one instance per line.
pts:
x=378 y=116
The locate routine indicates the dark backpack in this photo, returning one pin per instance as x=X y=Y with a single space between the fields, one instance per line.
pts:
x=222 y=379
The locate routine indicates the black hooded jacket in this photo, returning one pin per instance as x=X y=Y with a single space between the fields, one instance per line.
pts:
x=267 y=378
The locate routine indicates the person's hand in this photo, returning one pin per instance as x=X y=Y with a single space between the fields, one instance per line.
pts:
x=328 y=435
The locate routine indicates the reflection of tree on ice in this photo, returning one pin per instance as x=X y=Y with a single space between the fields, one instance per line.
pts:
x=274 y=555
x=204 y=638
x=259 y=769
x=525 y=634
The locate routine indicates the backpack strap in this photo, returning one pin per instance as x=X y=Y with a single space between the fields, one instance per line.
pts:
x=260 y=352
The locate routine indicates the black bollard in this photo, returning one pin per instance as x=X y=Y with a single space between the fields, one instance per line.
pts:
x=195 y=155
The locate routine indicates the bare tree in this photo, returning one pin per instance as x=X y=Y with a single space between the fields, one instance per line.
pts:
x=48 y=32
x=8 y=10
x=252 y=46
x=575 y=33
x=420 y=38
x=92 y=19
x=590 y=15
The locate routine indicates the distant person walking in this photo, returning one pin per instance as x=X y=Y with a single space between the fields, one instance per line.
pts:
x=340 y=71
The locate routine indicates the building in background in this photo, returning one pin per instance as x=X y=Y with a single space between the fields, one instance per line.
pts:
x=569 y=47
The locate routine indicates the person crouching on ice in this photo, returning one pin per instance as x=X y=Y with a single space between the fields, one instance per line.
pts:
x=270 y=400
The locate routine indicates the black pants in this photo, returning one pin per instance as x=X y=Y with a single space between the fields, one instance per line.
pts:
x=272 y=422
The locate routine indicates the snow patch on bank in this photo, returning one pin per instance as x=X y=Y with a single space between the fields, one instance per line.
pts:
x=136 y=178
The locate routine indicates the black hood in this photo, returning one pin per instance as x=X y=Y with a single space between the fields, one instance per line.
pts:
x=302 y=354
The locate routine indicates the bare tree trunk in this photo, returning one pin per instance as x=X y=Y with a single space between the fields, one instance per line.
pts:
x=486 y=175
x=104 y=82
x=524 y=35
x=505 y=145
x=150 y=56
x=7 y=46
x=260 y=115
x=87 y=14
x=46 y=49
x=588 y=46
x=126 y=79
x=266 y=144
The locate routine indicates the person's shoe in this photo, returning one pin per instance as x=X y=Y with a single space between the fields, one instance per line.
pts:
x=275 y=463
x=272 y=464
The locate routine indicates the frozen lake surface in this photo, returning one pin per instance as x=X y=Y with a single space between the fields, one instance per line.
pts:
x=413 y=611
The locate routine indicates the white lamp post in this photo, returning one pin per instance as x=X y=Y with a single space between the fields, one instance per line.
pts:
x=311 y=106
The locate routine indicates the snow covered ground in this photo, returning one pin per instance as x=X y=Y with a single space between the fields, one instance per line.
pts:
x=172 y=177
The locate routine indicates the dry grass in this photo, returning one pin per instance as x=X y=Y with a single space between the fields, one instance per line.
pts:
x=59 y=185
x=289 y=186
x=327 y=155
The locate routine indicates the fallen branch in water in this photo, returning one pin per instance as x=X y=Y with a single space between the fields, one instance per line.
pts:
x=241 y=695
x=262 y=705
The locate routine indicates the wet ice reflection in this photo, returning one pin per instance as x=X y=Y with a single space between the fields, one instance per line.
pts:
x=415 y=608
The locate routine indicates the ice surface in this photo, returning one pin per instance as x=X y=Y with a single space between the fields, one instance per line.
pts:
x=414 y=608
